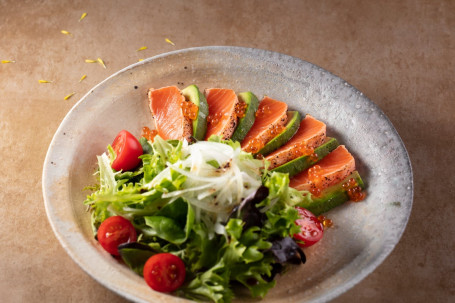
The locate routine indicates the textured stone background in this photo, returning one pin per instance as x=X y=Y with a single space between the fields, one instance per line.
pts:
x=401 y=54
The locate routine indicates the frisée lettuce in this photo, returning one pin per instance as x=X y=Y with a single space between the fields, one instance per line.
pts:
x=210 y=203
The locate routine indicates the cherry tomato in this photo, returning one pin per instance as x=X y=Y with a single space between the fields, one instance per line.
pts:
x=127 y=149
x=311 y=229
x=164 y=272
x=114 y=231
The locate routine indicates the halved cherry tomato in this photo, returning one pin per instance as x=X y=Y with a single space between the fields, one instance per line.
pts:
x=311 y=229
x=164 y=272
x=114 y=231
x=127 y=149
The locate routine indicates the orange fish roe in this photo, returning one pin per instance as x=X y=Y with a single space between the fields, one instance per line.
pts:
x=255 y=146
x=189 y=109
x=325 y=221
x=240 y=109
x=259 y=156
x=315 y=179
x=354 y=191
x=315 y=191
x=314 y=157
x=263 y=111
x=213 y=120
x=275 y=130
x=149 y=134
x=300 y=149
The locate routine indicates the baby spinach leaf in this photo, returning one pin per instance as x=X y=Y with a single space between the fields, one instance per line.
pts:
x=135 y=255
x=172 y=223
x=146 y=147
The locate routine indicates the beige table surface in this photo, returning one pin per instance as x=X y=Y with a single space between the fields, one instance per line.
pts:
x=400 y=54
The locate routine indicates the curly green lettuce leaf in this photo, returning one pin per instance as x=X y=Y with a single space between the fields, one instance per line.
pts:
x=211 y=284
x=281 y=223
x=240 y=259
x=169 y=150
x=200 y=249
x=121 y=196
x=112 y=154
x=246 y=259
x=107 y=176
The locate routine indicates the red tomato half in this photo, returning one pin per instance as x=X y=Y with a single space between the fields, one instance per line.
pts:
x=128 y=149
x=311 y=230
x=114 y=231
x=164 y=272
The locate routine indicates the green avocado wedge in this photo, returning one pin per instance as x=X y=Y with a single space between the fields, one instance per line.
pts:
x=331 y=197
x=247 y=121
x=291 y=128
x=299 y=164
x=193 y=94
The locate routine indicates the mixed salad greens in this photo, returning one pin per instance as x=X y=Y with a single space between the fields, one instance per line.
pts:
x=212 y=205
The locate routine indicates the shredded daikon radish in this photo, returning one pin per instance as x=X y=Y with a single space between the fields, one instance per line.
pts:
x=213 y=191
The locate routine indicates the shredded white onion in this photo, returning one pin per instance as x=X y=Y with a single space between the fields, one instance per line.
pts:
x=214 y=192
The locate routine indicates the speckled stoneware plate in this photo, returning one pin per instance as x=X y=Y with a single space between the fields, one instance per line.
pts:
x=364 y=233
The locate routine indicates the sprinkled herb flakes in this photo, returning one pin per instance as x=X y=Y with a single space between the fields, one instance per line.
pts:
x=169 y=41
x=100 y=61
x=82 y=17
x=69 y=96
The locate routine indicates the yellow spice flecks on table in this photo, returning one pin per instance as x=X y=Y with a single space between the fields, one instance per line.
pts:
x=82 y=17
x=100 y=61
x=69 y=96
x=169 y=41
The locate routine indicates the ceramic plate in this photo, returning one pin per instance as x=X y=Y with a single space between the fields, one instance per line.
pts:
x=364 y=233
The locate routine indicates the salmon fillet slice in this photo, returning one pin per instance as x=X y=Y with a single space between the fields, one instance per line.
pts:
x=271 y=118
x=334 y=168
x=222 y=119
x=166 y=109
x=311 y=134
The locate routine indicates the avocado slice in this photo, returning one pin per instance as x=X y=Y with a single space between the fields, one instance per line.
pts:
x=193 y=94
x=332 y=196
x=299 y=164
x=291 y=128
x=247 y=121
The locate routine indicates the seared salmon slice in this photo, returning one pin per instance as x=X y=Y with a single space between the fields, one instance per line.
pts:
x=271 y=118
x=166 y=108
x=332 y=169
x=222 y=119
x=311 y=134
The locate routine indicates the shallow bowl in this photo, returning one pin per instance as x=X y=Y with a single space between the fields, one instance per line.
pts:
x=363 y=234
